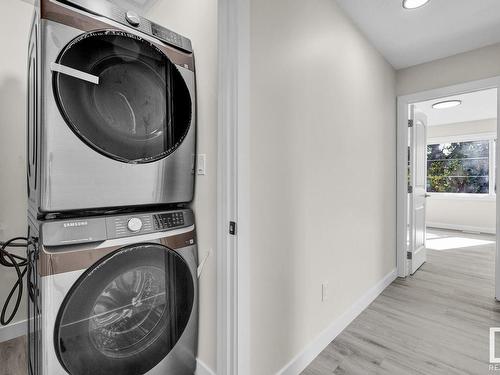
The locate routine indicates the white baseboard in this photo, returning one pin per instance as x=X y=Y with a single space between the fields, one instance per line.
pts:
x=304 y=358
x=13 y=330
x=202 y=368
x=466 y=228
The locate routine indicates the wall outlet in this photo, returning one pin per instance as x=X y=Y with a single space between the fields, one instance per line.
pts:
x=201 y=162
x=324 y=291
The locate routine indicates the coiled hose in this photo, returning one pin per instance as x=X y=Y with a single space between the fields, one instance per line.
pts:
x=20 y=265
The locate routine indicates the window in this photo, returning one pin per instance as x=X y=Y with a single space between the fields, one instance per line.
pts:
x=461 y=167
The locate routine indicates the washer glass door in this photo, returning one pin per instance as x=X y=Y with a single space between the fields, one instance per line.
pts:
x=126 y=313
x=122 y=96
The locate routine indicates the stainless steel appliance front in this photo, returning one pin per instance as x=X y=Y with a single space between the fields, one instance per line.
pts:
x=111 y=302
x=115 y=143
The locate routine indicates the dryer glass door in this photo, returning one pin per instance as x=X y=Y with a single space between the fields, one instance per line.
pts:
x=122 y=96
x=126 y=313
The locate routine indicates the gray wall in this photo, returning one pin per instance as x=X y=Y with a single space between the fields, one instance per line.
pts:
x=14 y=35
x=198 y=21
x=323 y=164
x=469 y=66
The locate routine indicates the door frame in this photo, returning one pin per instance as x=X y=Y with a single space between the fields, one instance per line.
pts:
x=233 y=188
x=403 y=101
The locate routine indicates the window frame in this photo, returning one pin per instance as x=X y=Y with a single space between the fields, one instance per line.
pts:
x=486 y=136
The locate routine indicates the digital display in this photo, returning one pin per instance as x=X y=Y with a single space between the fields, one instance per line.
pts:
x=166 y=35
x=169 y=220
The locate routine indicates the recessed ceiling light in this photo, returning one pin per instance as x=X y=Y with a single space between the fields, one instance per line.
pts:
x=447 y=104
x=412 y=4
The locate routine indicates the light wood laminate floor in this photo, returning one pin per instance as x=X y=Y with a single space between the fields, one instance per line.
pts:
x=434 y=322
x=13 y=357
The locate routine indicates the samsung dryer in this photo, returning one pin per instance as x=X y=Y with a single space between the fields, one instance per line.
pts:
x=111 y=110
x=114 y=295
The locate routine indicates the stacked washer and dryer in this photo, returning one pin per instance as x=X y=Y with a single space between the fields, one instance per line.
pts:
x=111 y=144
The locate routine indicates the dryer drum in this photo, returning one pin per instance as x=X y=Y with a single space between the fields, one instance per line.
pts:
x=139 y=111
x=126 y=313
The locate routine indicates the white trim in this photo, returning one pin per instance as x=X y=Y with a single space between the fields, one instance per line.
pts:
x=402 y=221
x=497 y=163
x=304 y=358
x=13 y=330
x=233 y=287
x=463 y=228
x=402 y=162
x=202 y=368
x=243 y=172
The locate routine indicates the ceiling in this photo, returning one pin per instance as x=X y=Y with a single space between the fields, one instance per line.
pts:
x=479 y=105
x=439 y=29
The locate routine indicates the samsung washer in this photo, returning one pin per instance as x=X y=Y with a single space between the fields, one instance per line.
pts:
x=114 y=295
x=111 y=110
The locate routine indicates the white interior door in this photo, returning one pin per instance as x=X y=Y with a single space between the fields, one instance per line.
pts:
x=417 y=189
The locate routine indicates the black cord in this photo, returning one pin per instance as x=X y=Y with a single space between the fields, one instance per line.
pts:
x=10 y=260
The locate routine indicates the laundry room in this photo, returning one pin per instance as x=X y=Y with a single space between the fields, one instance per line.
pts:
x=249 y=187
x=108 y=149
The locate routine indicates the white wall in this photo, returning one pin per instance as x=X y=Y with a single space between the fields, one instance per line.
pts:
x=197 y=20
x=323 y=164
x=469 y=66
x=14 y=35
x=462 y=213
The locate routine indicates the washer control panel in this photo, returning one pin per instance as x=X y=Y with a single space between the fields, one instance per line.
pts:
x=122 y=226
x=96 y=229
x=141 y=223
x=169 y=220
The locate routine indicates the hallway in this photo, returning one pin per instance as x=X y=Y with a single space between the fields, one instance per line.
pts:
x=435 y=322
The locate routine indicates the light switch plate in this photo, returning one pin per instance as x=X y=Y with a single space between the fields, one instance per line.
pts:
x=324 y=291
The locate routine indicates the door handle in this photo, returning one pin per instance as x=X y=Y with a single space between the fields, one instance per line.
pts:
x=427 y=195
x=63 y=69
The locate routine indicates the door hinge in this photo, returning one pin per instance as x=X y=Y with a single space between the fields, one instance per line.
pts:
x=410 y=189
x=410 y=123
x=409 y=255
x=232 y=228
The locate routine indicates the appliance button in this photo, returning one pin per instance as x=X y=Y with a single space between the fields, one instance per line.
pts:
x=132 y=18
x=134 y=224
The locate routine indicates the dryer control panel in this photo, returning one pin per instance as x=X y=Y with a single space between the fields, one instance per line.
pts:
x=130 y=18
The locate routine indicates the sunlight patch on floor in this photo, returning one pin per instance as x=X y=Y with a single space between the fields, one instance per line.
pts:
x=435 y=242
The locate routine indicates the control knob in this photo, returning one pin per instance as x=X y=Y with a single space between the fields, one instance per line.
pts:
x=134 y=224
x=132 y=18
